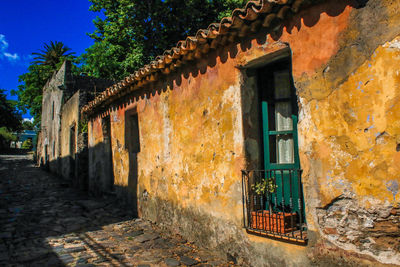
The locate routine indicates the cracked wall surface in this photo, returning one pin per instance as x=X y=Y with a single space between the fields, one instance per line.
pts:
x=199 y=128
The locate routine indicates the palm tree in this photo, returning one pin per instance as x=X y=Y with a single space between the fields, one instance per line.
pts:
x=51 y=54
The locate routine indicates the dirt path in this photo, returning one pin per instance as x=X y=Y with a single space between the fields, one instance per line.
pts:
x=43 y=222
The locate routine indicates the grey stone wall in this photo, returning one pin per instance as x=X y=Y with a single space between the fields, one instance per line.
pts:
x=63 y=97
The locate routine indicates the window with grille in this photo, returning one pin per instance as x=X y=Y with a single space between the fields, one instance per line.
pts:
x=274 y=204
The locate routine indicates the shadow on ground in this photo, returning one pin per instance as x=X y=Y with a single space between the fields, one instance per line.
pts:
x=37 y=208
x=44 y=222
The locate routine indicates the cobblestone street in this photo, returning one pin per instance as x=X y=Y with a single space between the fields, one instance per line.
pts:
x=44 y=222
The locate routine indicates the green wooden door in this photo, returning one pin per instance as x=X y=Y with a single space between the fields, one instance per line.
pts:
x=279 y=120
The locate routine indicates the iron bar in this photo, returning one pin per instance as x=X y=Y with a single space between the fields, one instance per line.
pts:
x=291 y=202
x=262 y=212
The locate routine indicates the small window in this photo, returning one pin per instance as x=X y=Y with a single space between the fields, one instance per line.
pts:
x=106 y=128
x=134 y=143
x=54 y=149
x=72 y=140
x=52 y=111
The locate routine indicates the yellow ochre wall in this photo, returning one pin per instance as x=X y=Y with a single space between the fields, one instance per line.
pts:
x=192 y=145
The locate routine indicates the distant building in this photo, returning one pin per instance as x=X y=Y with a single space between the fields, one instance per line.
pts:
x=62 y=142
x=22 y=137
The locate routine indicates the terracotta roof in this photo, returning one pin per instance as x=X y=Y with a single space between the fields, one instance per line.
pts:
x=256 y=14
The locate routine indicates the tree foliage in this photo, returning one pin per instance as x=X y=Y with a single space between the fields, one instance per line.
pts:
x=30 y=89
x=9 y=116
x=40 y=70
x=130 y=34
x=133 y=32
x=27 y=144
x=51 y=54
x=27 y=125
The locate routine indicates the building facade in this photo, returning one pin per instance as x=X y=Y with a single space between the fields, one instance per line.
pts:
x=272 y=136
x=62 y=144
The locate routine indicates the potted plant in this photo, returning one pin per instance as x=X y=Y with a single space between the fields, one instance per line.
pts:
x=280 y=222
x=266 y=185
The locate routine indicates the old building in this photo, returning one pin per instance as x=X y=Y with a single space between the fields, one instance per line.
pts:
x=62 y=145
x=272 y=136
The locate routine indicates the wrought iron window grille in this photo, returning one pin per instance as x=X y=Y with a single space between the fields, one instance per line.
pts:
x=273 y=204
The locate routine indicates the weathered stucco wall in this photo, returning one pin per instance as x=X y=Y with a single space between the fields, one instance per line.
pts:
x=70 y=118
x=198 y=131
x=350 y=152
x=349 y=134
x=63 y=96
x=100 y=165
x=51 y=118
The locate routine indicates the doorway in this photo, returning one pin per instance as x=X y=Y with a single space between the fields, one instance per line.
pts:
x=279 y=113
x=72 y=153
x=132 y=139
x=108 y=160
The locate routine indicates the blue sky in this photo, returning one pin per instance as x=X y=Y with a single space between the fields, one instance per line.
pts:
x=25 y=25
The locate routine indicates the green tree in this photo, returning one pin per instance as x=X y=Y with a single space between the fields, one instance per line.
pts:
x=40 y=70
x=9 y=115
x=27 y=144
x=30 y=89
x=51 y=54
x=133 y=32
x=27 y=125
x=10 y=120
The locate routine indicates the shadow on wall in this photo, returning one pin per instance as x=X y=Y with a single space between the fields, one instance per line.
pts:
x=100 y=157
x=101 y=174
x=226 y=49
x=73 y=169
x=132 y=142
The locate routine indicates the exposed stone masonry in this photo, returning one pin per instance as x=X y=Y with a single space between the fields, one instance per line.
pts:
x=374 y=231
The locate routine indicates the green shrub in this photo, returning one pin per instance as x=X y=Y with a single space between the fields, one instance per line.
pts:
x=27 y=144
x=7 y=135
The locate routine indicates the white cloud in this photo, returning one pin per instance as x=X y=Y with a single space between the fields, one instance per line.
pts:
x=11 y=57
x=3 y=43
x=4 y=53
x=31 y=119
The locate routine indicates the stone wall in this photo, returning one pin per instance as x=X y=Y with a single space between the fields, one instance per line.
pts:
x=63 y=96
x=100 y=165
x=69 y=123
x=51 y=117
x=198 y=129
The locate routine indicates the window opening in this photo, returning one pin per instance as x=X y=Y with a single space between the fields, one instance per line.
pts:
x=54 y=149
x=72 y=151
x=274 y=204
x=52 y=111
x=132 y=142
x=106 y=128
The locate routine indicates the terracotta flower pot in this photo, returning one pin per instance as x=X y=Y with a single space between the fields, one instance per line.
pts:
x=276 y=222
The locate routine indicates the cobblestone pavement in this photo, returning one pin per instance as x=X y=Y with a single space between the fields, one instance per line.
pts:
x=43 y=222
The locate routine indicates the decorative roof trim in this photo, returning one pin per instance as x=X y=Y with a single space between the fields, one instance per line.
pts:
x=256 y=14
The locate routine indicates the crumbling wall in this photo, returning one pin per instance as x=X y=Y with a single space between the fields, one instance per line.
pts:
x=374 y=231
x=349 y=134
x=51 y=119
x=70 y=119
x=198 y=131
x=353 y=139
x=100 y=166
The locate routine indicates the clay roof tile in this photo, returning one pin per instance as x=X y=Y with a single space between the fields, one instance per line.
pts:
x=255 y=14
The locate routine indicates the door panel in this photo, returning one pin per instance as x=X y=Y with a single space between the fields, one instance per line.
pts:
x=279 y=120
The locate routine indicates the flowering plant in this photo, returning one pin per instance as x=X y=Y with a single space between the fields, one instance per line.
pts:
x=266 y=185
